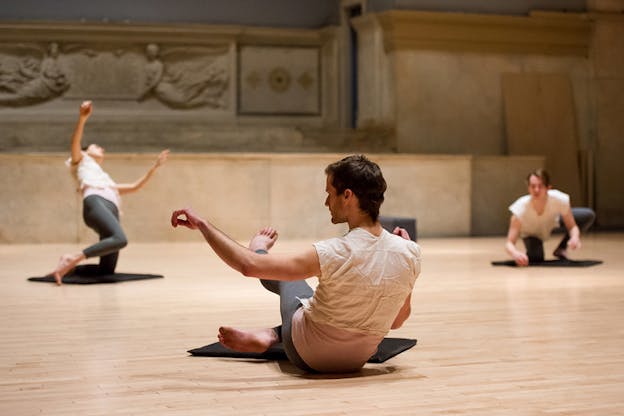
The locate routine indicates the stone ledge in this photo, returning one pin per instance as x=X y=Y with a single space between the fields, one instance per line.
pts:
x=541 y=32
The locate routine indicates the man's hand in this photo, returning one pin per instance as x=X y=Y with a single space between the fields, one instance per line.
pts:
x=85 y=109
x=401 y=232
x=187 y=218
x=574 y=242
x=520 y=258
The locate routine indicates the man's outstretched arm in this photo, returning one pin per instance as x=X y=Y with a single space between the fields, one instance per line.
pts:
x=274 y=266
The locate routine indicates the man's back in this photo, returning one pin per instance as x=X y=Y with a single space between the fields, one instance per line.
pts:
x=364 y=280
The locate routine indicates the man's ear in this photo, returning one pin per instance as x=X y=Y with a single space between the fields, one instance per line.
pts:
x=348 y=193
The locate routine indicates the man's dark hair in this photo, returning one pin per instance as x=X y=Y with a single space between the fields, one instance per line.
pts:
x=542 y=174
x=363 y=178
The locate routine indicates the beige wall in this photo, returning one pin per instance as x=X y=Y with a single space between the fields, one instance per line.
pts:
x=444 y=73
x=452 y=102
x=496 y=182
x=242 y=192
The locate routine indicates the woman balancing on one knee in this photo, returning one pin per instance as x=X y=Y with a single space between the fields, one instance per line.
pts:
x=534 y=216
x=101 y=201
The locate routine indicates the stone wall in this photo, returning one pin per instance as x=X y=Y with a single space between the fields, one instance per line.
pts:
x=188 y=87
x=438 y=81
x=444 y=72
x=429 y=83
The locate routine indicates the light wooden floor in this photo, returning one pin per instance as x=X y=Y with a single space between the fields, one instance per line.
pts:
x=491 y=340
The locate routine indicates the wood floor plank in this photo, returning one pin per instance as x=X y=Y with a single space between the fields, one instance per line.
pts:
x=491 y=340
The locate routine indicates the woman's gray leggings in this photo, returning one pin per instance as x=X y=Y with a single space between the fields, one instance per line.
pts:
x=102 y=216
x=584 y=218
x=289 y=293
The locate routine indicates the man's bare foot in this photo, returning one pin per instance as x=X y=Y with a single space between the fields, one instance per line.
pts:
x=66 y=263
x=561 y=253
x=264 y=239
x=258 y=340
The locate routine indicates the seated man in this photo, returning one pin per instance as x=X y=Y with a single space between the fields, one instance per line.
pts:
x=365 y=278
x=534 y=217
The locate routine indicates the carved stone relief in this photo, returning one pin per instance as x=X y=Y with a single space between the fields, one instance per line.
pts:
x=29 y=75
x=187 y=79
x=178 y=77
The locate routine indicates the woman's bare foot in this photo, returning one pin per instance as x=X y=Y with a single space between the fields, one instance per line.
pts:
x=66 y=263
x=264 y=239
x=258 y=340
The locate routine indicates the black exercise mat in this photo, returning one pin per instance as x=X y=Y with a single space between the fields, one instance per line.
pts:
x=552 y=263
x=387 y=349
x=75 y=279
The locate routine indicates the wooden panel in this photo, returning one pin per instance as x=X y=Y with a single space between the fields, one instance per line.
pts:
x=540 y=119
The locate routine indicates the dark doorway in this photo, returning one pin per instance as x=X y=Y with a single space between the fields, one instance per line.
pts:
x=351 y=12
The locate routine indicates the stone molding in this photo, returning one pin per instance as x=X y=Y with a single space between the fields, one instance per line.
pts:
x=607 y=17
x=547 y=33
x=136 y=32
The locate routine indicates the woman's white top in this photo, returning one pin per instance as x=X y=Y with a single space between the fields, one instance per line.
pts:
x=92 y=180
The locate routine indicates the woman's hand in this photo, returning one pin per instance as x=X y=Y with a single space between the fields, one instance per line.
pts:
x=85 y=109
x=162 y=158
